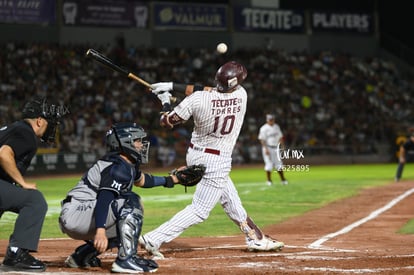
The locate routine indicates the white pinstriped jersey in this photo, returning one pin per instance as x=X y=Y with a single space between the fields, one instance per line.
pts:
x=218 y=117
x=271 y=134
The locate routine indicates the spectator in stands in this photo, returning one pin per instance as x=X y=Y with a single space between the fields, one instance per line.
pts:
x=328 y=80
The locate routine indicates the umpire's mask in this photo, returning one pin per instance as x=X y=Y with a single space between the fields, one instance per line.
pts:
x=51 y=112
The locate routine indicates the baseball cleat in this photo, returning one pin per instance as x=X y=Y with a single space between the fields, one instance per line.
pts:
x=149 y=247
x=269 y=183
x=73 y=263
x=21 y=260
x=284 y=182
x=265 y=244
x=84 y=256
x=134 y=264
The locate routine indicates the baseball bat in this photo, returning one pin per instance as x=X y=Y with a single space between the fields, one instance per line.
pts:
x=104 y=60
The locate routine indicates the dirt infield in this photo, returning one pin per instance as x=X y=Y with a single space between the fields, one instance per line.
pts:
x=351 y=236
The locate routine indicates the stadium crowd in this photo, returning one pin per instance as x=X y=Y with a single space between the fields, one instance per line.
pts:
x=325 y=102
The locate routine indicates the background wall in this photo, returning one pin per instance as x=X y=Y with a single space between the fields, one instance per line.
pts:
x=367 y=44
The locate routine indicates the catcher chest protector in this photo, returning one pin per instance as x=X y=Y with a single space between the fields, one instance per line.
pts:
x=129 y=226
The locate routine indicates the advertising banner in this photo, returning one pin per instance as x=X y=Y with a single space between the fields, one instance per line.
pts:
x=69 y=163
x=28 y=11
x=105 y=13
x=253 y=19
x=190 y=16
x=346 y=22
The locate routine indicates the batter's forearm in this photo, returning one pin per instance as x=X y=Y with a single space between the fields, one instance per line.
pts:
x=169 y=120
x=188 y=89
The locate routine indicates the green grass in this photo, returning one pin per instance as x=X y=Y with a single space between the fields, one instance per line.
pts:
x=266 y=205
x=407 y=228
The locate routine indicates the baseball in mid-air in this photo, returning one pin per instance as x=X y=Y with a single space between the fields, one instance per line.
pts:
x=221 y=48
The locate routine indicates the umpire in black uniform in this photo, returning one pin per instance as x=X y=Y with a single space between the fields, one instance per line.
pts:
x=18 y=145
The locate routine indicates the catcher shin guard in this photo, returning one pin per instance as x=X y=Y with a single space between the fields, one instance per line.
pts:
x=129 y=225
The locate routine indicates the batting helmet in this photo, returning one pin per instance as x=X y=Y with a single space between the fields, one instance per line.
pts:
x=229 y=76
x=120 y=138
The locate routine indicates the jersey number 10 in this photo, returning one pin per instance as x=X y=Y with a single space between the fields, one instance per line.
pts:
x=223 y=125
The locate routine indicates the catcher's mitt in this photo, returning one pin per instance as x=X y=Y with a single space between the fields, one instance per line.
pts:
x=189 y=175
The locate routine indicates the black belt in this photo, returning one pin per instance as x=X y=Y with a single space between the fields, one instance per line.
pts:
x=67 y=199
x=205 y=150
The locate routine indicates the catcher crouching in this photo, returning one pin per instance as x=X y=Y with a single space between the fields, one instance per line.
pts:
x=103 y=210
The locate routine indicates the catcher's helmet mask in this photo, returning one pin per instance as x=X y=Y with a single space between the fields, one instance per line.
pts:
x=229 y=76
x=39 y=107
x=120 y=138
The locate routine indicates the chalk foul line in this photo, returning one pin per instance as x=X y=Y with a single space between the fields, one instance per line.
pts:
x=374 y=214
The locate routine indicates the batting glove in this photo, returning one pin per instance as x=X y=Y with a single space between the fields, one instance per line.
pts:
x=164 y=97
x=161 y=87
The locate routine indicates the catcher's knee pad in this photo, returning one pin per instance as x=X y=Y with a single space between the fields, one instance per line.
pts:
x=251 y=230
x=129 y=225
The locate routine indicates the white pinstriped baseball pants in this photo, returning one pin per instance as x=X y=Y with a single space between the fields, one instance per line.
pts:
x=216 y=186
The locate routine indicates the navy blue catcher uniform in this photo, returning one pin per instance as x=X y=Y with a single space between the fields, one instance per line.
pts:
x=103 y=201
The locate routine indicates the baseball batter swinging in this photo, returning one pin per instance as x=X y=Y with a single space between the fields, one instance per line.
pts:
x=218 y=115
